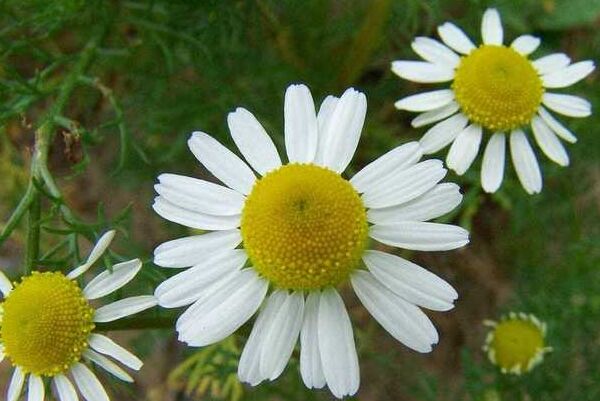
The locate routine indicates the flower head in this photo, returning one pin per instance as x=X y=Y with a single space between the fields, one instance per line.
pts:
x=301 y=230
x=48 y=323
x=496 y=89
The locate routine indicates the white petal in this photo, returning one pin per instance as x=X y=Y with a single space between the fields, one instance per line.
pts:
x=88 y=384
x=556 y=126
x=124 y=307
x=433 y=116
x=253 y=141
x=525 y=44
x=455 y=38
x=311 y=367
x=569 y=105
x=432 y=204
x=224 y=312
x=403 y=320
x=281 y=333
x=420 y=236
x=188 y=286
x=464 y=149
x=188 y=218
x=107 y=365
x=410 y=281
x=16 y=385
x=106 y=346
x=64 y=388
x=552 y=62
x=2 y=354
x=383 y=167
x=5 y=285
x=525 y=162
x=435 y=52
x=492 y=167
x=443 y=133
x=111 y=280
x=300 y=124
x=101 y=245
x=35 y=388
x=336 y=345
x=405 y=185
x=423 y=72
x=569 y=75
x=325 y=113
x=426 y=101
x=222 y=162
x=341 y=132
x=491 y=27
x=549 y=142
x=199 y=195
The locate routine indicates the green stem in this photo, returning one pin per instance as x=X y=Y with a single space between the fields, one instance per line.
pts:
x=139 y=323
x=33 y=233
x=16 y=216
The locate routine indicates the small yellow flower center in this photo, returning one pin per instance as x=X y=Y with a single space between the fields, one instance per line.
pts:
x=498 y=88
x=516 y=343
x=46 y=324
x=304 y=227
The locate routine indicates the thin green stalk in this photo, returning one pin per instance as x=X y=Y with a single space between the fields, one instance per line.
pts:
x=33 y=233
x=16 y=216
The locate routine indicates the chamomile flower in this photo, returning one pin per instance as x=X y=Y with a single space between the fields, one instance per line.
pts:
x=495 y=89
x=47 y=329
x=303 y=230
x=516 y=344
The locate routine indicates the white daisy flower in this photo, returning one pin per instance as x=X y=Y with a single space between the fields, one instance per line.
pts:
x=495 y=88
x=303 y=230
x=47 y=329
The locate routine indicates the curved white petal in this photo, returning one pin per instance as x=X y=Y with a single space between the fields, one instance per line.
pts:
x=525 y=162
x=552 y=62
x=569 y=105
x=426 y=101
x=443 y=133
x=341 y=131
x=455 y=38
x=35 y=388
x=111 y=280
x=422 y=71
x=435 y=52
x=199 y=195
x=221 y=162
x=106 y=346
x=556 y=126
x=492 y=167
x=300 y=124
x=99 y=248
x=64 y=388
x=464 y=149
x=253 y=141
x=410 y=281
x=549 y=142
x=433 y=116
x=88 y=384
x=491 y=27
x=403 y=320
x=385 y=166
x=405 y=185
x=323 y=116
x=432 y=204
x=124 y=307
x=5 y=285
x=525 y=44
x=15 y=387
x=188 y=218
x=336 y=345
x=107 y=365
x=569 y=75
x=420 y=236
x=311 y=367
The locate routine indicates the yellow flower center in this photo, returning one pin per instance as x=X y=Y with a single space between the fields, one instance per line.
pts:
x=516 y=343
x=46 y=324
x=498 y=88
x=304 y=227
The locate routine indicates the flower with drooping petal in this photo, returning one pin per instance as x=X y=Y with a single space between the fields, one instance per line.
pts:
x=47 y=329
x=496 y=89
x=303 y=230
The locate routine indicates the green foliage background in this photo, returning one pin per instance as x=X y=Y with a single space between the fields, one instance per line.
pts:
x=111 y=89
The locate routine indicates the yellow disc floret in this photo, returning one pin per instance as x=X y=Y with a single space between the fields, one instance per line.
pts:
x=304 y=227
x=498 y=88
x=46 y=324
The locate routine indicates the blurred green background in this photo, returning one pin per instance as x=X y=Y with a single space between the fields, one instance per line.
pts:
x=161 y=69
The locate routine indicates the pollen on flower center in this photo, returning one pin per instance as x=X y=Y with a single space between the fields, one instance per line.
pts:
x=46 y=324
x=497 y=88
x=304 y=227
